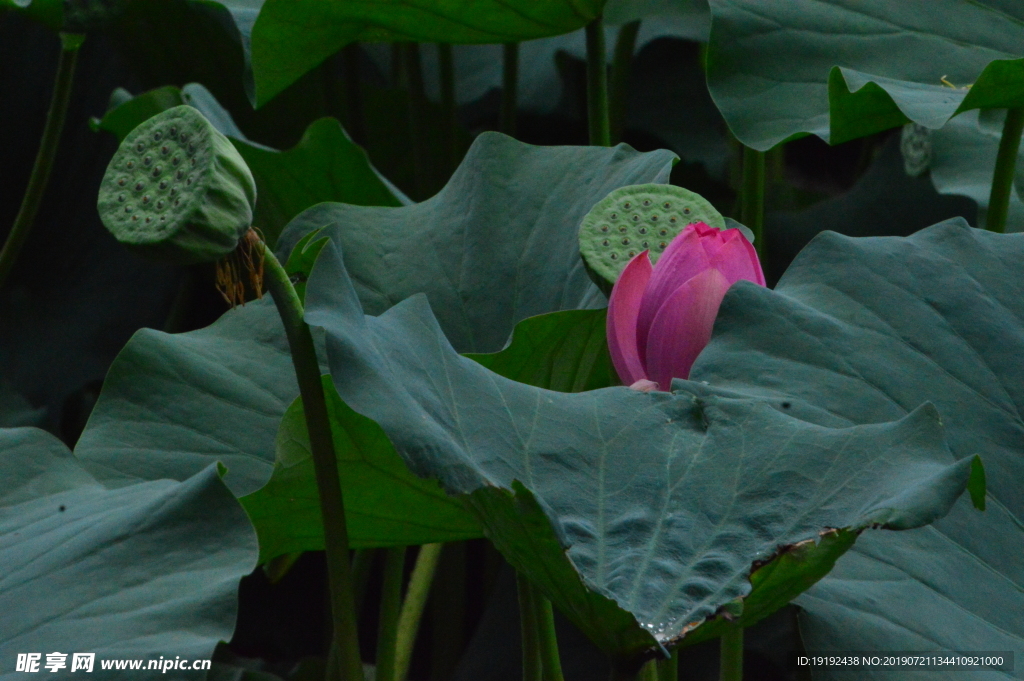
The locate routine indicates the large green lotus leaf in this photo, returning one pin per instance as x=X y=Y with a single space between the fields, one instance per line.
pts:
x=885 y=201
x=963 y=159
x=291 y=37
x=172 y=404
x=50 y=13
x=639 y=514
x=325 y=166
x=385 y=504
x=389 y=140
x=565 y=351
x=140 y=571
x=842 y=69
x=497 y=245
x=862 y=331
x=15 y=410
x=478 y=68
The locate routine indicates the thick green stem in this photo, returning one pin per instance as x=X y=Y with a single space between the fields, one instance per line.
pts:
x=752 y=196
x=40 y=177
x=412 y=609
x=325 y=464
x=390 y=608
x=532 y=666
x=649 y=672
x=551 y=663
x=509 y=88
x=731 y=655
x=622 y=63
x=668 y=670
x=1006 y=165
x=597 y=86
x=446 y=64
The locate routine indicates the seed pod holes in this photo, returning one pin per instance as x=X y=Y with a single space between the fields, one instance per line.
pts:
x=212 y=202
x=662 y=209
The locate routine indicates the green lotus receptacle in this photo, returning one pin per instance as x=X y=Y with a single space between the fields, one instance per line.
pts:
x=638 y=218
x=177 y=191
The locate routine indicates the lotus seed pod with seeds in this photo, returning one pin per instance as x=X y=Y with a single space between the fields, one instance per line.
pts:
x=177 y=190
x=916 y=147
x=638 y=218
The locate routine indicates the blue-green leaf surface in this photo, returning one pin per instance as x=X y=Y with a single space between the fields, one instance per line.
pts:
x=172 y=404
x=842 y=69
x=141 y=571
x=639 y=514
x=497 y=245
x=291 y=37
x=862 y=331
x=964 y=159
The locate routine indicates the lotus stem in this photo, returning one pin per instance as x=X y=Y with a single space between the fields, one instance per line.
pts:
x=43 y=165
x=1006 y=165
x=509 y=88
x=597 y=86
x=622 y=62
x=551 y=663
x=752 y=196
x=668 y=670
x=731 y=652
x=532 y=665
x=325 y=463
x=390 y=609
x=649 y=672
x=412 y=608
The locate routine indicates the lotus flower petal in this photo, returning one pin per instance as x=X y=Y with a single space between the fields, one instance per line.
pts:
x=623 y=308
x=734 y=256
x=682 y=327
x=684 y=259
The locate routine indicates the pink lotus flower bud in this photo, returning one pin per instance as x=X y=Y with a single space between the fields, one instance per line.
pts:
x=660 y=317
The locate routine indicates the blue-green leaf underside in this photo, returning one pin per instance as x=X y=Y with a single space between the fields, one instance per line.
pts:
x=861 y=331
x=656 y=504
x=842 y=69
x=138 y=571
x=497 y=245
x=291 y=37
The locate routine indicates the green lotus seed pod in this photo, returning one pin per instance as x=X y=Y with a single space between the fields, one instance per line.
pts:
x=916 y=147
x=630 y=220
x=177 y=190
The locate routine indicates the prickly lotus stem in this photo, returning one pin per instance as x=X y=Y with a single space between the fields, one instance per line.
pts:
x=638 y=218
x=177 y=190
